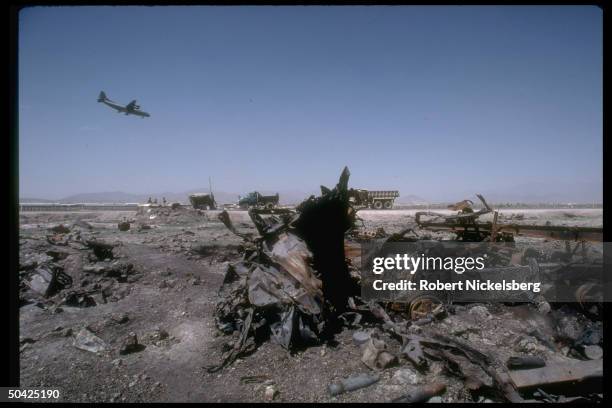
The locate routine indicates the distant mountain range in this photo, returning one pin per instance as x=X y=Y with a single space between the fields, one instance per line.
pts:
x=525 y=193
x=222 y=197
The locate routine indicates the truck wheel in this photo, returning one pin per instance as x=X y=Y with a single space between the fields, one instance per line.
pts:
x=378 y=205
x=423 y=305
x=269 y=206
x=388 y=205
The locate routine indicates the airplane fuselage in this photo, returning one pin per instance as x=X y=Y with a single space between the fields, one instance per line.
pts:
x=123 y=109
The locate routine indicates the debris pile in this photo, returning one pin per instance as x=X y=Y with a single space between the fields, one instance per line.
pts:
x=298 y=284
x=293 y=282
x=78 y=271
x=170 y=215
x=294 y=277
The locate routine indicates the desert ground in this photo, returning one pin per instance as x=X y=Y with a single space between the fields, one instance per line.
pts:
x=161 y=283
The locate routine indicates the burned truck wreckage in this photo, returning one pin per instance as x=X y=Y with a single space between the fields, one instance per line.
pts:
x=299 y=284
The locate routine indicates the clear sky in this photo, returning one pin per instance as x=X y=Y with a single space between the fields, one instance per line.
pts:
x=432 y=101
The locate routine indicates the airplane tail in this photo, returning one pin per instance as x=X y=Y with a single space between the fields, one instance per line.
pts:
x=102 y=96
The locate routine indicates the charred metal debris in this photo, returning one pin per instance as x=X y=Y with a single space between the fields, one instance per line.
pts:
x=293 y=283
x=78 y=270
x=298 y=284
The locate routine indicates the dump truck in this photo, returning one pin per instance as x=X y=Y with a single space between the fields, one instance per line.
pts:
x=254 y=199
x=201 y=201
x=378 y=199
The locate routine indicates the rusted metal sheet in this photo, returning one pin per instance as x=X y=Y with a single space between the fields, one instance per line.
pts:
x=557 y=373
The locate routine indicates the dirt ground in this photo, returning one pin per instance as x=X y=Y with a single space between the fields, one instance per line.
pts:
x=167 y=298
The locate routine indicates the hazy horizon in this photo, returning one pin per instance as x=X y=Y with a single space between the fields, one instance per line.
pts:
x=439 y=102
x=296 y=196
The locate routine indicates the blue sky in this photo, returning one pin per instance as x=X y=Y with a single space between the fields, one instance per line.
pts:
x=433 y=101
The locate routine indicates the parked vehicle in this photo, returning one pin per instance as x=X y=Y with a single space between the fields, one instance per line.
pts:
x=254 y=199
x=378 y=199
x=203 y=201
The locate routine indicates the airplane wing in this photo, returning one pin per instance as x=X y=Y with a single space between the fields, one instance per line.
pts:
x=132 y=106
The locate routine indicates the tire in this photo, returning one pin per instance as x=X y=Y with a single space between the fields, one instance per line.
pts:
x=377 y=205
x=422 y=305
x=269 y=206
x=388 y=205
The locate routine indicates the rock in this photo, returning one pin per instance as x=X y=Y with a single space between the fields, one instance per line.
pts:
x=360 y=337
x=270 y=393
x=435 y=399
x=375 y=355
x=569 y=328
x=130 y=344
x=75 y=299
x=120 y=318
x=86 y=340
x=162 y=334
x=42 y=282
x=156 y=336
x=480 y=312
x=98 y=299
x=526 y=345
x=543 y=307
x=406 y=376
x=593 y=352
x=31 y=261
